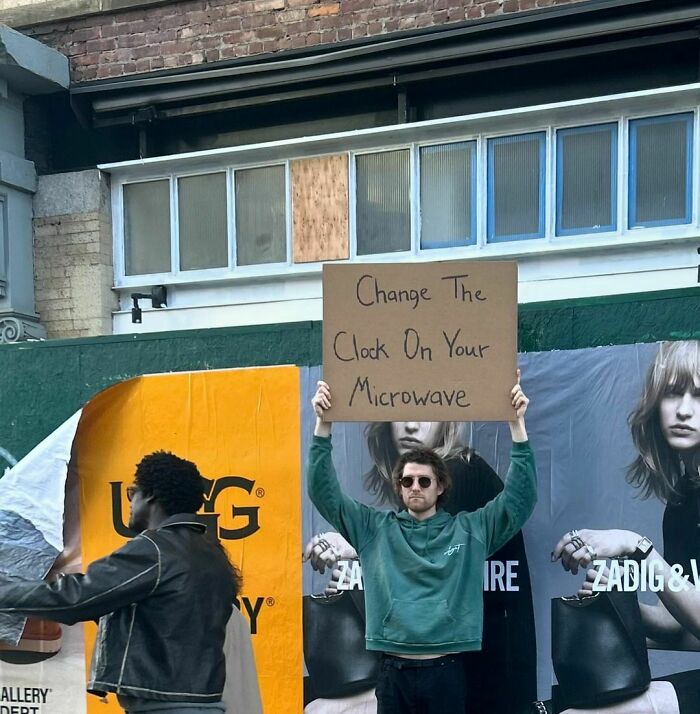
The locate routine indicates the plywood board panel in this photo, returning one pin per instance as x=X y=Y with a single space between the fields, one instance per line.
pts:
x=320 y=208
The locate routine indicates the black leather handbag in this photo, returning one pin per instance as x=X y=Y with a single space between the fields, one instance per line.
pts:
x=599 y=650
x=336 y=657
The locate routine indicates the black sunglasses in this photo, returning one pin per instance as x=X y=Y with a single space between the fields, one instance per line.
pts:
x=423 y=481
x=130 y=491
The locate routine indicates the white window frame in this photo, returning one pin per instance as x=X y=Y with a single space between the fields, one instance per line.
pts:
x=418 y=198
x=622 y=235
x=561 y=232
x=620 y=109
x=176 y=275
x=175 y=224
x=262 y=268
x=412 y=189
x=693 y=178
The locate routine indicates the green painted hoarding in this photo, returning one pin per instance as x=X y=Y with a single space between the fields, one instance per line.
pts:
x=43 y=383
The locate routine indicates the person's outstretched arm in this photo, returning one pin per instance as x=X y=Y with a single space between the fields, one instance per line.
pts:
x=124 y=577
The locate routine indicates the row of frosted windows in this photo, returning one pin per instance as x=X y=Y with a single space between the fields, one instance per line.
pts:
x=660 y=151
x=201 y=209
x=586 y=190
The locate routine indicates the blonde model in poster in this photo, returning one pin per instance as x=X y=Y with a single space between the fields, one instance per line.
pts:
x=665 y=429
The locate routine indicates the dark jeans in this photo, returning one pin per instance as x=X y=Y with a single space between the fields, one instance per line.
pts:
x=428 y=686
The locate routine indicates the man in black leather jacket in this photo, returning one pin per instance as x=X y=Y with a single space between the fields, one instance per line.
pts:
x=162 y=600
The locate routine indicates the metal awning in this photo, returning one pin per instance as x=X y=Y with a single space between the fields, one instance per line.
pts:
x=397 y=60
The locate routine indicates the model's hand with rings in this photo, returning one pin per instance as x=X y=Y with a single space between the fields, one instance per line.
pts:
x=326 y=549
x=579 y=548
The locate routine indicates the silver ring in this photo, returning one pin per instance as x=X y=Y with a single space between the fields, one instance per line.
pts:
x=577 y=542
x=323 y=544
x=591 y=552
x=573 y=534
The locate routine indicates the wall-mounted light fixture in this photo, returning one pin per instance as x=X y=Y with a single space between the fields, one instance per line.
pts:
x=158 y=297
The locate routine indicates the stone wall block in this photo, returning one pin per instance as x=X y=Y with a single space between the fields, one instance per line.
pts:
x=73 y=254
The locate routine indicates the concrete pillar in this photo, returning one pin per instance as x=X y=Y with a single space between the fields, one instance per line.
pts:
x=73 y=254
x=26 y=67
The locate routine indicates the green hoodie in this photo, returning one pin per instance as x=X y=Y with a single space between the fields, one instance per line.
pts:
x=424 y=579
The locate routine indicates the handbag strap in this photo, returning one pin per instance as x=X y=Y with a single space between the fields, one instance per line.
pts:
x=356 y=598
x=621 y=615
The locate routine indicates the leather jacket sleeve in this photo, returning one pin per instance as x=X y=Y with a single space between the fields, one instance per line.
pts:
x=124 y=577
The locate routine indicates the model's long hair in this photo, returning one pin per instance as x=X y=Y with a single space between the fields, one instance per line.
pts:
x=658 y=469
x=380 y=443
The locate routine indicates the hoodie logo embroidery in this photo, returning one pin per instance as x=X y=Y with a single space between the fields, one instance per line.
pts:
x=453 y=549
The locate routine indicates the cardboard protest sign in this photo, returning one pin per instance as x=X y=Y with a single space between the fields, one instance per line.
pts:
x=430 y=342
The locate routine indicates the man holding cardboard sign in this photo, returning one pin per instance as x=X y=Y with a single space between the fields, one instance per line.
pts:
x=423 y=569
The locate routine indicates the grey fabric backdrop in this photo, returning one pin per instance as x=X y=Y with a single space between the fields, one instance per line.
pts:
x=577 y=423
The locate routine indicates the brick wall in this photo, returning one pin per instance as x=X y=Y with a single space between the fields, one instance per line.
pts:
x=73 y=272
x=199 y=31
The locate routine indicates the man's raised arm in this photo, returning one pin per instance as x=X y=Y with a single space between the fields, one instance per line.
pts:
x=500 y=519
x=353 y=520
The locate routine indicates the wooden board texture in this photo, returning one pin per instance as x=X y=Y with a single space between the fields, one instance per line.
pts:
x=320 y=208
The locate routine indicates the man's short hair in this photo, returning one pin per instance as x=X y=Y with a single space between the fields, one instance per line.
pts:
x=174 y=482
x=425 y=457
